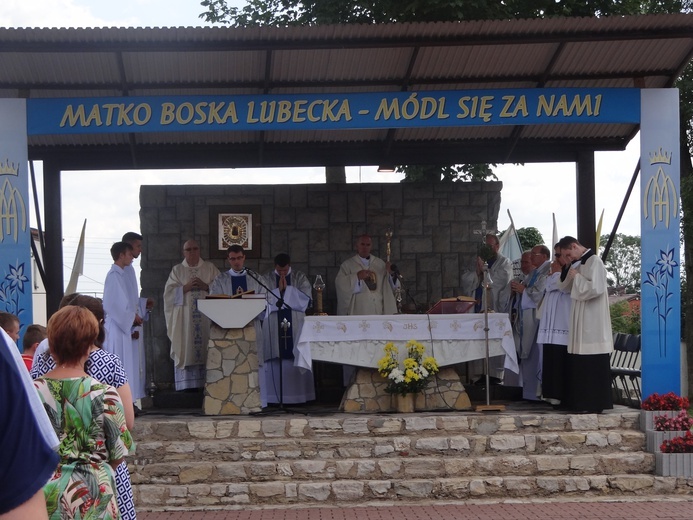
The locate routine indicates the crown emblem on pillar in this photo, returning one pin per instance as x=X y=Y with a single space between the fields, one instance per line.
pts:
x=660 y=157
x=8 y=168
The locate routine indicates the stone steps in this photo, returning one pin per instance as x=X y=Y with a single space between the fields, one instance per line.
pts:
x=220 y=462
x=420 y=445
x=397 y=468
x=204 y=495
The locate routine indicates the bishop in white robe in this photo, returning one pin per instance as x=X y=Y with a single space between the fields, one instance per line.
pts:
x=364 y=284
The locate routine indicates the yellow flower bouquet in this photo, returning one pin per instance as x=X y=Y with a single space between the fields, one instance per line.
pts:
x=415 y=373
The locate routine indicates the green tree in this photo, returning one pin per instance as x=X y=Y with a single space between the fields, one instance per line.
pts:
x=624 y=319
x=623 y=262
x=530 y=237
x=312 y=12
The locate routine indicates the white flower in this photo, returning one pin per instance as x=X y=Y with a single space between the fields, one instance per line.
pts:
x=423 y=372
x=396 y=375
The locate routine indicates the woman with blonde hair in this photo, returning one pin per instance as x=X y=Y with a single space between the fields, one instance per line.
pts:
x=88 y=418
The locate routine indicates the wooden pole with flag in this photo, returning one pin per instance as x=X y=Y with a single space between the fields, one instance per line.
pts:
x=78 y=266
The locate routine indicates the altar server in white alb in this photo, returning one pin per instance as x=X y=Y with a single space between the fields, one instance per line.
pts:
x=365 y=283
x=186 y=326
x=143 y=305
x=289 y=297
x=122 y=318
x=590 y=339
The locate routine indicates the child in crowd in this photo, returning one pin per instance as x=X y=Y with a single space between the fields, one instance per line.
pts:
x=10 y=324
x=34 y=335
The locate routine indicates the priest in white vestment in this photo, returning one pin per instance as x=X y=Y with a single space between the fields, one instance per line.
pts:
x=500 y=271
x=289 y=297
x=121 y=317
x=186 y=326
x=532 y=294
x=364 y=283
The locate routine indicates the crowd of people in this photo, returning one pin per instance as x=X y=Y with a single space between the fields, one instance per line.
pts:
x=87 y=365
x=71 y=427
x=559 y=310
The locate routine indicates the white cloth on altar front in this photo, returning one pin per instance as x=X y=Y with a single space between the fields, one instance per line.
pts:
x=450 y=338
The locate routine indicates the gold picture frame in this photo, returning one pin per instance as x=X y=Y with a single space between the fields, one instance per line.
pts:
x=239 y=225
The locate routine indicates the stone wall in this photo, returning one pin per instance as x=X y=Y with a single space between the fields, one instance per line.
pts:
x=317 y=225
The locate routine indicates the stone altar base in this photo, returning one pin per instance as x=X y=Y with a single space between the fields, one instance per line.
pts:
x=367 y=393
x=232 y=385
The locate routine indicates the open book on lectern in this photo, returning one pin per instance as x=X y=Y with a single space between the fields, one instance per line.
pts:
x=453 y=305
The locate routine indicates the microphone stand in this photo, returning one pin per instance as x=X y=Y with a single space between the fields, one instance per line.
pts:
x=285 y=325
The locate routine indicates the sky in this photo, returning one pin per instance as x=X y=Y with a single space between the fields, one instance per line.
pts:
x=531 y=192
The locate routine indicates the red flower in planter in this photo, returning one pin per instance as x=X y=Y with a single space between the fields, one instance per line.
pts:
x=669 y=401
x=681 y=422
x=682 y=444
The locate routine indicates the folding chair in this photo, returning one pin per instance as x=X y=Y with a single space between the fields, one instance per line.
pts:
x=626 y=367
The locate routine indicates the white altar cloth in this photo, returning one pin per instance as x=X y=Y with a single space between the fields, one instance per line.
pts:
x=359 y=340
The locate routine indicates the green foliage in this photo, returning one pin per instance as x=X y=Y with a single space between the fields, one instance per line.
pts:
x=281 y=13
x=623 y=262
x=530 y=237
x=623 y=319
x=459 y=172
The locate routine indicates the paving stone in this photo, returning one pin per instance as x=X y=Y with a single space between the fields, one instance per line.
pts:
x=348 y=489
x=319 y=492
x=267 y=489
x=432 y=444
x=596 y=439
x=202 y=430
x=416 y=424
x=459 y=443
x=414 y=489
x=551 y=463
x=195 y=472
x=380 y=487
x=506 y=442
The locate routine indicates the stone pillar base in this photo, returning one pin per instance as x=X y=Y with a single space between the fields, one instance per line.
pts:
x=232 y=386
x=367 y=393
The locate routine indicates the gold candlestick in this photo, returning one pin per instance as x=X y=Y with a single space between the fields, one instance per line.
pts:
x=319 y=287
x=388 y=249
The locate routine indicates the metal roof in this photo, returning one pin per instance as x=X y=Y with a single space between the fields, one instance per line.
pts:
x=632 y=52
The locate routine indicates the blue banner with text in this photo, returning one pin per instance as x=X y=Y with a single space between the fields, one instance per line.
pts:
x=332 y=111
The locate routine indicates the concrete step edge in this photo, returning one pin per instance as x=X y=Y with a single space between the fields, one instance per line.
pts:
x=202 y=496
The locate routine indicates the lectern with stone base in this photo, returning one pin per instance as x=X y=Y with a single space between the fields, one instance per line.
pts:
x=232 y=385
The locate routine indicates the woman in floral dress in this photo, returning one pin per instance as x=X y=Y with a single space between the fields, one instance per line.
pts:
x=89 y=420
x=107 y=368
